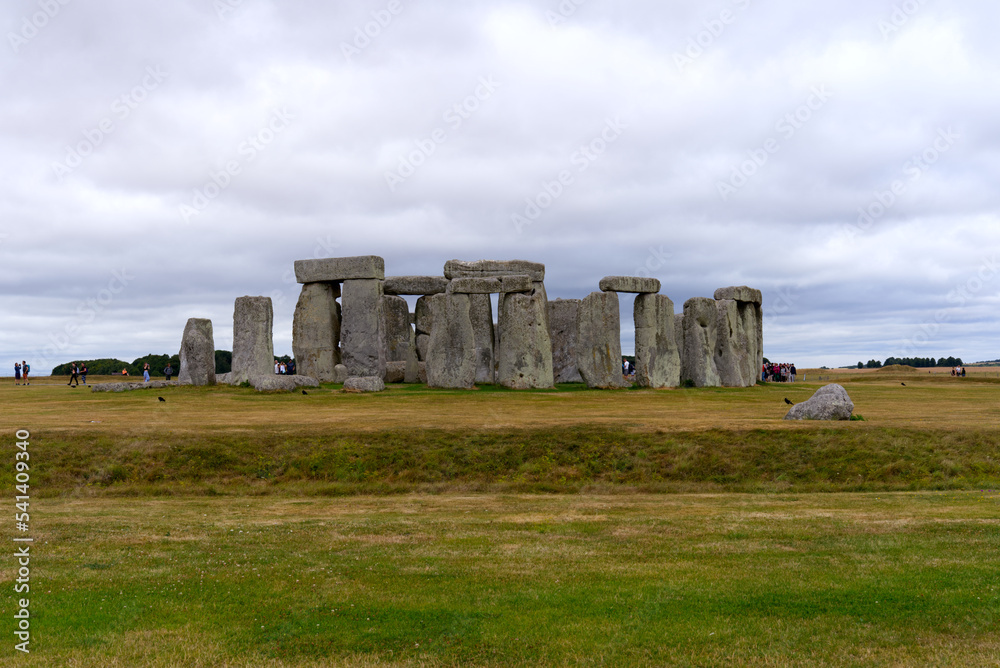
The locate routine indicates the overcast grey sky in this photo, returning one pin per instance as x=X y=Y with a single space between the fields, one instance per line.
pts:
x=163 y=158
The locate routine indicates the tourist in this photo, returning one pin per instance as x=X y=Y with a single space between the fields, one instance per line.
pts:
x=83 y=374
x=277 y=367
x=291 y=367
x=169 y=371
x=145 y=372
x=74 y=375
x=17 y=373
x=791 y=370
x=963 y=372
x=25 y=368
x=124 y=372
x=283 y=369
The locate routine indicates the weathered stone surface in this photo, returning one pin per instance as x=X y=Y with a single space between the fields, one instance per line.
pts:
x=395 y=372
x=223 y=378
x=316 y=331
x=396 y=328
x=463 y=269
x=451 y=350
x=491 y=284
x=830 y=402
x=339 y=374
x=740 y=293
x=361 y=334
x=423 y=322
x=629 y=284
x=126 y=386
x=481 y=314
x=730 y=344
x=277 y=383
x=700 y=335
x=364 y=384
x=253 y=347
x=197 y=354
x=562 y=331
x=411 y=374
x=339 y=269
x=598 y=343
x=422 y=341
x=415 y=285
x=679 y=338
x=657 y=362
x=525 y=347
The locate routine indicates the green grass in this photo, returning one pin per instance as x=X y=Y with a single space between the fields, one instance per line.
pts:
x=853 y=580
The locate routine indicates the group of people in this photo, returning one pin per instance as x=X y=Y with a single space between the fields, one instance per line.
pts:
x=628 y=368
x=21 y=372
x=283 y=369
x=958 y=371
x=778 y=373
x=78 y=374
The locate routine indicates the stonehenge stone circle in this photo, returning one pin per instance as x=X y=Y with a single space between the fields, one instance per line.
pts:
x=562 y=330
x=657 y=362
x=197 y=353
x=598 y=345
x=629 y=284
x=340 y=269
x=253 y=347
x=700 y=333
x=525 y=347
x=415 y=285
x=362 y=335
x=830 y=402
x=451 y=350
x=316 y=331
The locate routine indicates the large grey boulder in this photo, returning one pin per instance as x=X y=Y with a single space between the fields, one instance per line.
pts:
x=657 y=361
x=361 y=334
x=197 y=354
x=700 y=335
x=253 y=347
x=451 y=350
x=277 y=383
x=462 y=269
x=629 y=284
x=598 y=343
x=396 y=328
x=126 y=386
x=364 y=384
x=395 y=372
x=562 y=331
x=339 y=269
x=316 y=331
x=525 y=348
x=415 y=285
x=830 y=402
x=481 y=314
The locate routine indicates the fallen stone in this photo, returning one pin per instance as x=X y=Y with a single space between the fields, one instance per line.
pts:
x=629 y=284
x=562 y=331
x=127 y=386
x=657 y=361
x=362 y=345
x=525 y=347
x=598 y=343
x=364 y=384
x=339 y=269
x=316 y=331
x=253 y=348
x=700 y=334
x=451 y=349
x=830 y=402
x=462 y=269
x=395 y=372
x=197 y=353
x=740 y=293
x=415 y=285
x=278 y=383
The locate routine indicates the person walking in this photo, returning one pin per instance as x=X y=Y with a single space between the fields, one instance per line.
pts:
x=25 y=368
x=169 y=371
x=17 y=373
x=145 y=372
x=74 y=375
x=83 y=373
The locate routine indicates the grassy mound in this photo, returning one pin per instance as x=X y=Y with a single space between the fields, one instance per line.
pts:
x=896 y=368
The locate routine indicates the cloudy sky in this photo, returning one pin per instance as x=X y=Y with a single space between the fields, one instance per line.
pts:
x=161 y=159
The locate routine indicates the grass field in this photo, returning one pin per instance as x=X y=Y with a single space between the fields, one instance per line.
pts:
x=417 y=527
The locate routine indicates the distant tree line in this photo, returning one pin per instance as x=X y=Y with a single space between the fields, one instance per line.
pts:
x=157 y=363
x=919 y=362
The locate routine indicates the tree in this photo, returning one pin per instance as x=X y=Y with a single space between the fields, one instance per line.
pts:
x=861 y=365
x=223 y=361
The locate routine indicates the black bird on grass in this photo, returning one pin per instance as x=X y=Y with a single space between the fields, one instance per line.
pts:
x=162 y=399
x=788 y=402
x=304 y=392
x=903 y=384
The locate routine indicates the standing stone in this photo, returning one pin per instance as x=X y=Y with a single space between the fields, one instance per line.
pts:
x=525 y=347
x=599 y=347
x=362 y=336
x=423 y=323
x=197 y=353
x=412 y=372
x=730 y=345
x=396 y=326
x=657 y=362
x=679 y=338
x=481 y=313
x=316 y=331
x=562 y=330
x=451 y=350
x=751 y=327
x=253 y=347
x=700 y=333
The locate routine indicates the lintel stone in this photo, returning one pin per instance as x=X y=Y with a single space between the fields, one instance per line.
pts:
x=636 y=284
x=339 y=269
x=491 y=284
x=486 y=268
x=415 y=285
x=740 y=293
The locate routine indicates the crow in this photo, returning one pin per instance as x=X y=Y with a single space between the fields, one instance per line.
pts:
x=903 y=384
x=162 y=399
x=788 y=402
x=304 y=392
